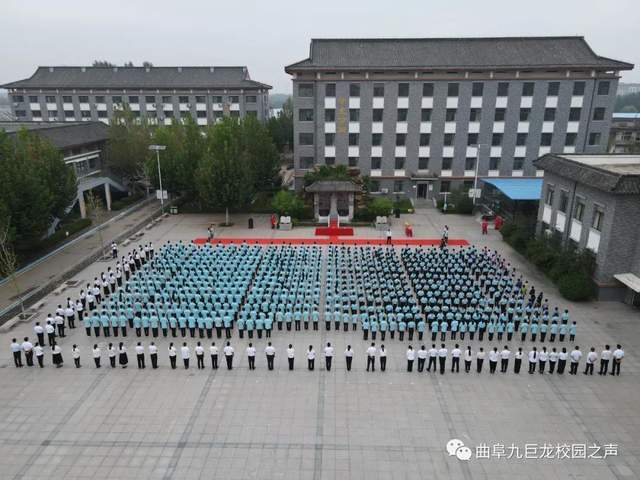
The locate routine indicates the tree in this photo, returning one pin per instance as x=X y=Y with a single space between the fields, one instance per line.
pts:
x=97 y=213
x=8 y=259
x=128 y=145
x=281 y=127
x=147 y=64
x=288 y=203
x=262 y=156
x=103 y=63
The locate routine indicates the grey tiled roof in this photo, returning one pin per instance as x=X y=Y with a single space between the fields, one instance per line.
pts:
x=442 y=53
x=138 y=77
x=62 y=135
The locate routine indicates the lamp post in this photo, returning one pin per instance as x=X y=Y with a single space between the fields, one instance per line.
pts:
x=475 y=176
x=158 y=149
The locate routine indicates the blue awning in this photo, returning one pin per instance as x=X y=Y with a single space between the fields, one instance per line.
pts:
x=518 y=188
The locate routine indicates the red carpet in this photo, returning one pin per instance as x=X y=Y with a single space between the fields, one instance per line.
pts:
x=334 y=231
x=424 y=242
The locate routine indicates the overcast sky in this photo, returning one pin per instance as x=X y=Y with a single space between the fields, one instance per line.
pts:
x=265 y=35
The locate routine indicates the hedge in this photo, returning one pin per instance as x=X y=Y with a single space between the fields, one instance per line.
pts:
x=63 y=232
x=125 y=202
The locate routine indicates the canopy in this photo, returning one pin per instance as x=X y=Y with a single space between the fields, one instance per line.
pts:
x=630 y=280
x=518 y=188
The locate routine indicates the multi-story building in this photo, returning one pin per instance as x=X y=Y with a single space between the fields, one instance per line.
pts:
x=628 y=88
x=625 y=133
x=417 y=114
x=158 y=93
x=594 y=202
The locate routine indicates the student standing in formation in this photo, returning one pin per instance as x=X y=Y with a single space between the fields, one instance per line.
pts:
x=562 y=360
x=270 y=352
x=493 y=360
x=533 y=360
x=411 y=355
x=543 y=356
x=480 y=359
x=111 y=352
x=122 y=354
x=371 y=357
x=56 y=353
x=96 y=355
x=348 y=356
x=228 y=355
x=517 y=362
x=213 y=351
x=605 y=356
x=388 y=236
x=383 y=358
x=200 y=356
x=172 y=356
x=185 y=352
x=575 y=355
x=39 y=331
x=455 y=359
x=433 y=355
x=75 y=352
x=251 y=356
x=618 y=355
x=291 y=354
x=442 y=358
x=140 y=355
x=39 y=354
x=311 y=358
x=16 y=349
x=328 y=356
x=553 y=359
x=422 y=358
x=153 y=355
x=27 y=348
x=592 y=357
x=51 y=333
x=468 y=356
x=504 y=359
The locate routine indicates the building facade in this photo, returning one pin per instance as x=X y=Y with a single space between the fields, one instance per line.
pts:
x=594 y=202
x=625 y=133
x=628 y=88
x=70 y=94
x=416 y=115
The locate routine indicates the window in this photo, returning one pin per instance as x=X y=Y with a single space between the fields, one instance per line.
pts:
x=150 y=99
x=69 y=114
x=470 y=163
x=425 y=115
x=248 y=99
x=330 y=115
x=578 y=211
x=427 y=89
x=133 y=99
x=53 y=113
x=549 y=114
x=374 y=185
x=354 y=89
x=594 y=138
x=329 y=139
x=578 y=88
x=598 y=113
x=217 y=114
x=83 y=99
x=398 y=186
x=494 y=163
x=376 y=139
x=21 y=113
x=527 y=89
x=545 y=139
x=235 y=114
x=603 y=88
x=477 y=89
x=448 y=139
x=354 y=139
x=306 y=162
x=203 y=113
x=570 y=139
x=472 y=139
x=378 y=89
x=214 y=99
x=553 y=88
x=399 y=163
x=234 y=99
x=564 y=201
x=598 y=218
x=574 y=114
x=50 y=99
x=425 y=139
x=499 y=116
x=377 y=114
x=401 y=139
x=330 y=90
x=423 y=163
x=168 y=99
x=36 y=113
x=169 y=114
x=305 y=90
x=85 y=114
x=100 y=99
x=66 y=99
x=548 y=198
x=446 y=163
x=402 y=114
x=305 y=115
x=18 y=98
x=452 y=89
x=403 y=90
x=354 y=115
x=503 y=89
x=101 y=114
x=518 y=163
x=524 y=114
x=330 y=160
x=376 y=163
x=475 y=115
x=33 y=99
x=445 y=186
x=305 y=138
x=450 y=115
x=353 y=161
x=521 y=139
x=496 y=139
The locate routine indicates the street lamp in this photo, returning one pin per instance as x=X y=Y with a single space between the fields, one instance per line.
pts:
x=475 y=177
x=158 y=149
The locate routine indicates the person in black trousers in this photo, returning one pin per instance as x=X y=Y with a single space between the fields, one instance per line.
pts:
x=140 y=355
x=348 y=355
x=517 y=362
x=562 y=360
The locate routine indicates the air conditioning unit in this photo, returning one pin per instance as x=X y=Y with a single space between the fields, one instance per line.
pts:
x=384 y=190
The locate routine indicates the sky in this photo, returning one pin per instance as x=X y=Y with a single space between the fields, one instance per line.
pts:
x=266 y=35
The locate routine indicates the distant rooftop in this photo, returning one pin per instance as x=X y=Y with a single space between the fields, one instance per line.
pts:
x=445 y=53
x=626 y=116
x=62 y=134
x=139 y=77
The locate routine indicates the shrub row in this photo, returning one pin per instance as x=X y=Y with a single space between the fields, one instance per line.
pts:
x=125 y=202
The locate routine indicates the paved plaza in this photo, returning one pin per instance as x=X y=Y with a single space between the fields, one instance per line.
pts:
x=118 y=423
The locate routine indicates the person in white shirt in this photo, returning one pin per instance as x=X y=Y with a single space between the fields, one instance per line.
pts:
x=517 y=360
x=533 y=360
x=480 y=356
x=605 y=356
x=383 y=358
x=59 y=321
x=213 y=351
x=411 y=355
x=504 y=359
x=270 y=352
x=562 y=360
x=442 y=358
x=371 y=358
x=16 y=349
x=114 y=250
x=388 y=235
x=422 y=357
x=111 y=352
x=553 y=359
x=39 y=351
x=51 y=331
x=348 y=355
x=575 y=355
x=27 y=348
x=200 y=355
x=251 y=356
x=185 y=352
x=228 y=355
x=153 y=355
x=96 y=355
x=311 y=358
x=70 y=314
x=39 y=331
x=56 y=353
x=433 y=355
x=328 y=356
x=618 y=355
x=140 y=355
x=493 y=360
x=172 y=356
x=291 y=354
x=468 y=356
x=455 y=359
x=75 y=352
x=592 y=357
x=543 y=356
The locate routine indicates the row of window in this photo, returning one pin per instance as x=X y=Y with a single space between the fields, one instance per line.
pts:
x=103 y=114
x=453 y=89
x=597 y=219
x=423 y=163
x=136 y=99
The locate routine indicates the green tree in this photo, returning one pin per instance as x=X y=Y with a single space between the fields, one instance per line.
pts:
x=128 y=145
x=281 y=127
x=288 y=203
x=262 y=156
